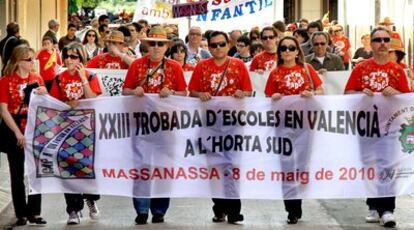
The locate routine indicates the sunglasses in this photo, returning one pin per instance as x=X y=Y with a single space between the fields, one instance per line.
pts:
x=241 y=45
x=71 y=56
x=268 y=37
x=29 y=59
x=91 y=35
x=153 y=44
x=337 y=30
x=291 y=48
x=380 y=39
x=107 y=32
x=218 y=44
x=319 y=44
x=180 y=51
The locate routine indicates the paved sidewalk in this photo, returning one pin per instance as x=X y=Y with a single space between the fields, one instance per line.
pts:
x=5 y=197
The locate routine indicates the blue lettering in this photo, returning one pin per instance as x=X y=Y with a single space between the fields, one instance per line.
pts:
x=226 y=14
x=268 y=3
x=216 y=13
x=202 y=17
x=250 y=4
x=238 y=11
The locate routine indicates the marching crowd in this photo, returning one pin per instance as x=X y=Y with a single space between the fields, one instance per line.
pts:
x=156 y=58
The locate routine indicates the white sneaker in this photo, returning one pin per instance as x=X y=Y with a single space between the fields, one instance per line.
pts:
x=73 y=218
x=94 y=213
x=372 y=217
x=388 y=220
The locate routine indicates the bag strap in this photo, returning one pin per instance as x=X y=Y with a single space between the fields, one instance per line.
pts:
x=222 y=78
x=312 y=86
x=152 y=72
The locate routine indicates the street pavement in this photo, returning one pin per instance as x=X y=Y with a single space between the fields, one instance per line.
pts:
x=118 y=213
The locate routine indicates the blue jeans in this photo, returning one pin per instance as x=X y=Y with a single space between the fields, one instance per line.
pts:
x=158 y=206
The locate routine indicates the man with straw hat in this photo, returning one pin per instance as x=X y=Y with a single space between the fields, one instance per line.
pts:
x=153 y=73
x=388 y=24
x=116 y=58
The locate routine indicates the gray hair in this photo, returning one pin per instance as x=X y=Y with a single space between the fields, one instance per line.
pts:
x=52 y=23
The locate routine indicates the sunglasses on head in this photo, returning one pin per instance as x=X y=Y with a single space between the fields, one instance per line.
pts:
x=380 y=39
x=319 y=44
x=153 y=44
x=268 y=37
x=218 y=44
x=71 y=56
x=28 y=59
x=291 y=48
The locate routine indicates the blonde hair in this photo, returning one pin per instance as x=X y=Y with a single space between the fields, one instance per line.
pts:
x=19 y=53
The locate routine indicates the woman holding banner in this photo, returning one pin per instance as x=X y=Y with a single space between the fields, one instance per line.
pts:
x=292 y=76
x=74 y=84
x=15 y=90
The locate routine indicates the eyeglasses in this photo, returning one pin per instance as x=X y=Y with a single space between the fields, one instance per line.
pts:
x=159 y=44
x=91 y=35
x=29 y=59
x=71 y=56
x=195 y=34
x=268 y=37
x=218 y=44
x=380 y=39
x=240 y=45
x=291 y=48
x=319 y=44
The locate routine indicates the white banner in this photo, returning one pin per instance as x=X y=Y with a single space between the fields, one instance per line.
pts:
x=111 y=81
x=222 y=14
x=351 y=146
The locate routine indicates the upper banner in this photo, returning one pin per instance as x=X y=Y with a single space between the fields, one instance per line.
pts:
x=352 y=146
x=223 y=15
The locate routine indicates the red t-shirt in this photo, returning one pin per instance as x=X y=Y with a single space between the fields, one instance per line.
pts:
x=377 y=77
x=342 y=44
x=48 y=63
x=207 y=75
x=11 y=91
x=188 y=67
x=169 y=75
x=70 y=86
x=263 y=61
x=107 y=61
x=290 y=81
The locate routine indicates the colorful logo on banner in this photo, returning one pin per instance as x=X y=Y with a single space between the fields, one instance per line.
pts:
x=64 y=143
x=113 y=85
x=407 y=135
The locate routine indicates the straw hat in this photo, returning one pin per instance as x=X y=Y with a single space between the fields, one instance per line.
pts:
x=386 y=21
x=115 y=36
x=396 y=45
x=157 y=33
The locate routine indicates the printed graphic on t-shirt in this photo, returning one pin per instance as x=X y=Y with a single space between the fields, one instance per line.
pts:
x=215 y=81
x=112 y=65
x=269 y=64
x=376 y=80
x=340 y=45
x=74 y=90
x=21 y=88
x=294 y=80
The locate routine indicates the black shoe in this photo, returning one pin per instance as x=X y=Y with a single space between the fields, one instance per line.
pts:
x=292 y=219
x=219 y=218
x=141 y=219
x=21 y=221
x=37 y=220
x=157 y=218
x=234 y=219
